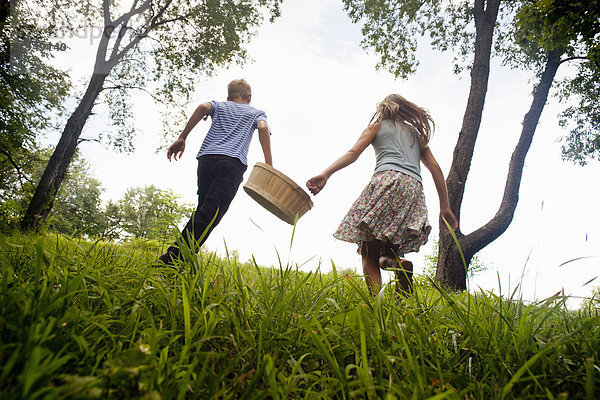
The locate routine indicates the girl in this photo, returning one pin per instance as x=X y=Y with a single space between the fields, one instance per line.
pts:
x=389 y=218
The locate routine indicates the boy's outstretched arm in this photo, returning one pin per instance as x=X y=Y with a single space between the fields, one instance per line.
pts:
x=177 y=148
x=265 y=141
x=440 y=185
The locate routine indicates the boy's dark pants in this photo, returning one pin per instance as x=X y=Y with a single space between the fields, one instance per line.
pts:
x=219 y=178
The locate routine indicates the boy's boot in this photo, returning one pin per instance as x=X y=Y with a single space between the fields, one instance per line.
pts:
x=169 y=257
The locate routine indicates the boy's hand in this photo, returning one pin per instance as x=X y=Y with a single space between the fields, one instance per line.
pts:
x=315 y=184
x=449 y=216
x=176 y=149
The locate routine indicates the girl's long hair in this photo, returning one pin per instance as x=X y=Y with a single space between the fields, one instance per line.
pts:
x=396 y=108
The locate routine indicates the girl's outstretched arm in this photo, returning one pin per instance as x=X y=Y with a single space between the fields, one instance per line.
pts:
x=440 y=184
x=316 y=183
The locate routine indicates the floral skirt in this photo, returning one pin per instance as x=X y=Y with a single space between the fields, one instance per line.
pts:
x=390 y=209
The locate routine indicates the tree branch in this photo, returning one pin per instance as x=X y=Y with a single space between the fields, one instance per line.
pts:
x=120 y=36
x=122 y=22
x=100 y=62
x=81 y=140
x=500 y=222
x=20 y=173
x=133 y=11
x=127 y=87
x=153 y=24
x=106 y=12
x=564 y=60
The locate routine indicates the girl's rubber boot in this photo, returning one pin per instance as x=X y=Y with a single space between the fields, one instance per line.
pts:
x=389 y=263
x=404 y=277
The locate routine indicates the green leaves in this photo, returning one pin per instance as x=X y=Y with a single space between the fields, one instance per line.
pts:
x=166 y=45
x=393 y=28
x=560 y=24
x=573 y=27
x=526 y=32
x=31 y=89
x=582 y=144
x=150 y=212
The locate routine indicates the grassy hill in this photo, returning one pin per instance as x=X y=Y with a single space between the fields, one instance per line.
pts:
x=87 y=320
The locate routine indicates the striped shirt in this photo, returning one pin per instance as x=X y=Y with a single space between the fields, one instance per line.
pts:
x=231 y=131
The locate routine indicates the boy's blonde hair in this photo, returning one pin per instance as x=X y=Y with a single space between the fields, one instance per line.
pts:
x=238 y=88
x=396 y=108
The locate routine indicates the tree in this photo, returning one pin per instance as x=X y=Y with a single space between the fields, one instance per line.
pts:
x=536 y=35
x=15 y=187
x=144 y=212
x=113 y=221
x=78 y=207
x=31 y=91
x=151 y=213
x=78 y=202
x=575 y=27
x=159 y=46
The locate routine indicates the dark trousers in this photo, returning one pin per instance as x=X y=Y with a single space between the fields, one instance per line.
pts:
x=219 y=178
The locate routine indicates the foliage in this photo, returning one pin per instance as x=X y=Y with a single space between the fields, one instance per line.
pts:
x=79 y=204
x=148 y=47
x=97 y=320
x=15 y=185
x=151 y=213
x=31 y=90
x=392 y=29
x=583 y=142
x=593 y=301
x=551 y=24
x=527 y=31
x=573 y=27
x=145 y=212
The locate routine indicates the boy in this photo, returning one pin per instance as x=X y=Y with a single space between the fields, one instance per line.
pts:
x=221 y=160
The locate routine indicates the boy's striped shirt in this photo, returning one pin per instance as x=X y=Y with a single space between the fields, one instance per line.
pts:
x=231 y=131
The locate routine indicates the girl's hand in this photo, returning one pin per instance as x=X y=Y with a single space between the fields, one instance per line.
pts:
x=316 y=183
x=448 y=215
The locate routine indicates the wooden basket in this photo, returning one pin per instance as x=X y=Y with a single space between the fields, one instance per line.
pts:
x=277 y=193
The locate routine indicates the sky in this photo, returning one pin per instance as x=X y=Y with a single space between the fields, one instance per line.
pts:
x=319 y=89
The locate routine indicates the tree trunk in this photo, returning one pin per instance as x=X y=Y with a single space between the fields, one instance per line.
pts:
x=45 y=192
x=4 y=13
x=451 y=271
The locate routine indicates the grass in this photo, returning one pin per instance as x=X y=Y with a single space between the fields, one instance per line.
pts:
x=88 y=320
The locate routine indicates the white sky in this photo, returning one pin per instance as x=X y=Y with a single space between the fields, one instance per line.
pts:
x=319 y=89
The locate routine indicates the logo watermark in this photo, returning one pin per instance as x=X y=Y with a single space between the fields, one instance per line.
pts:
x=29 y=41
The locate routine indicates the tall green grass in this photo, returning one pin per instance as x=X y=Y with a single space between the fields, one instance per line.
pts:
x=97 y=320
